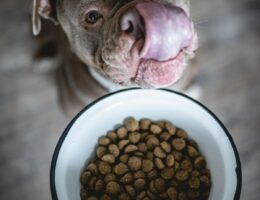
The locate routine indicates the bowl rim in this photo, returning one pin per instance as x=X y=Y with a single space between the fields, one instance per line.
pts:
x=67 y=129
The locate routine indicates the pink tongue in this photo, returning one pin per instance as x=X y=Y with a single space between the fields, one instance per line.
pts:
x=168 y=30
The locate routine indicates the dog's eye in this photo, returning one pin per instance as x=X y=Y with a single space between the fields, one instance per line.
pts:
x=92 y=17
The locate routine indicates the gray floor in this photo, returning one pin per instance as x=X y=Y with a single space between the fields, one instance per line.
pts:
x=31 y=120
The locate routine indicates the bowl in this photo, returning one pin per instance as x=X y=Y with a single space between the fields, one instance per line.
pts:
x=79 y=139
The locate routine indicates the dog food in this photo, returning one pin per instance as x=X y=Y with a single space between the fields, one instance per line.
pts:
x=146 y=160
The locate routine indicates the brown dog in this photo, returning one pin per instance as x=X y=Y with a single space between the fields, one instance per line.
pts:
x=143 y=43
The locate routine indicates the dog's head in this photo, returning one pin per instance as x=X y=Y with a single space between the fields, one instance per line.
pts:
x=144 y=42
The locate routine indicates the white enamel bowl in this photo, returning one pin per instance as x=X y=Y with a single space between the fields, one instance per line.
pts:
x=78 y=141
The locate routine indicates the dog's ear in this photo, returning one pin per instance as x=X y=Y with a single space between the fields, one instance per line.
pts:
x=43 y=9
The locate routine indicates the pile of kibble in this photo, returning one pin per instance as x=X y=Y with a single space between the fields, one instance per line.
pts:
x=146 y=160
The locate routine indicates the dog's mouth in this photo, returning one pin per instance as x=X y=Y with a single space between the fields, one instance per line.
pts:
x=164 y=35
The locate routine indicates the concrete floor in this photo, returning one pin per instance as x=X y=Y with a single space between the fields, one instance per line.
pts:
x=31 y=120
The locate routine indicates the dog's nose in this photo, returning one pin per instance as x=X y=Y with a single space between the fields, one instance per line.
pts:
x=132 y=23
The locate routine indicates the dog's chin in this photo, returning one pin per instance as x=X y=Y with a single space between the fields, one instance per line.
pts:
x=148 y=73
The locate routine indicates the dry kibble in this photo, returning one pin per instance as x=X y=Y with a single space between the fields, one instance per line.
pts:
x=166 y=147
x=158 y=152
x=130 y=190
x=134 y=163
x=109 y=158
x=199 y=162
x=169 y=161
x=170 y=128
x=167 y=173
x=182 y=175
x=124 y=158
x=146 y=160
x=122 y=132
x=192 y=151
x=120 y=169
x=194 y=183
x=139 y=184
x=147 y=165
x=114 y=150
x=179 y=144
x=131 y=124
x=144 y=124
x=155 y=129
x=134 y=137
x=113 y=188
x=159 y=163
x=104 y=141
x=101 y=151
x=123 y=143
x=112 y=136
x=131 y=148
x=127 y=178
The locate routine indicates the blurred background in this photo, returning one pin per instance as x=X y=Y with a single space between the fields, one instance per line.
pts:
x=32 y=121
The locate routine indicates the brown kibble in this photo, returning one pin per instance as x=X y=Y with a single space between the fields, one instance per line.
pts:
x=186 y=165
x=131 y=124
x=152 y=187
x=120 y=169
x=172 y=193
x=101 y=151
x=199 y=162
x=194 y=183
x=149 y=155
x=104 y=168
x=159 y=184
x=141 y=196
x=92 y=182
x=155 y=129
x=122 y=132
x=110 y=177
x=113 y=188
x=177 y=166
x=195 y=173
x=152 y=142
x=166 y=147
x=139 y=174
x=182 y=134
x=193 y=143
x=147 y=165
x=104 y=141
x=182 y=175
x=127 y=178
x=159 y=163
x=192 y=151
x=139 y=184
x=92 y=168
x=163 y=195
x=177 y=155
x=122 y=144
x=112 y=136
x=165 y=136
x=179 y=144
x=169 y=161
x=99 y=185
x=205 y=182
x=142 y=147
x=170 y=128
x=167 y=173
x=134 y=137
x=105 y=197
x=124 y=158
x=92 y=198
x=134 y=163
x=124 y=196
x=144 y=124
x=158 y=152
x=182 y=196
x=109 y=158
x=151 y=195
x=139 y=154
x=85 y=177
x=206 y=172
x=83 y=194
x=130 y=190
x=114 y=150
x=131 y=148
x=193 y=194
x=152 y=174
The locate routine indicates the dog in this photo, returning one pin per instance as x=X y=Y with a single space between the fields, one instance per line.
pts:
x=104 y=45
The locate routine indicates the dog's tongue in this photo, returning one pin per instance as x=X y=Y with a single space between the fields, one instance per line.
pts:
x=167 y=30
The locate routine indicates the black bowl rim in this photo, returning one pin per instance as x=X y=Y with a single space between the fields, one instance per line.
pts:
x=64 y=134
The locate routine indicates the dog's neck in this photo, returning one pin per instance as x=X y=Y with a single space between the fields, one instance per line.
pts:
x=105 y=82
